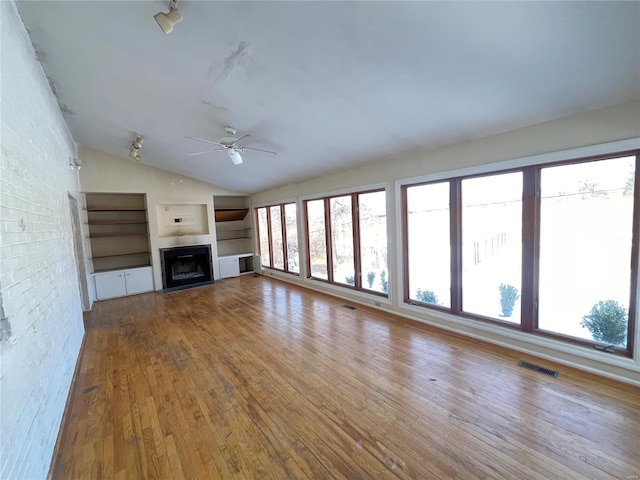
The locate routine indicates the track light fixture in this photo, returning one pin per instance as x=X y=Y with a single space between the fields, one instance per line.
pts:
x=135 y=146
x=75 y=163
x=137 y=143
x=168 y=20
x=133 y=153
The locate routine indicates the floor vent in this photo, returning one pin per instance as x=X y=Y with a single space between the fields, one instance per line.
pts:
x=350 y=307
x=536 y=368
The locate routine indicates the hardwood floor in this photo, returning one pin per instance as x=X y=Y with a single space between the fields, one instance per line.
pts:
x=254 y=378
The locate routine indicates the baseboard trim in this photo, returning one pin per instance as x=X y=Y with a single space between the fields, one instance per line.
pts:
x=67 y=406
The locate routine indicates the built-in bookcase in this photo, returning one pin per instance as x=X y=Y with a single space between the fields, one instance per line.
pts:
x=234 y=232
x=118 y=230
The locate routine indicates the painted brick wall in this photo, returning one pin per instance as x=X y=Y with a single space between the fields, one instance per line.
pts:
x=41 y=325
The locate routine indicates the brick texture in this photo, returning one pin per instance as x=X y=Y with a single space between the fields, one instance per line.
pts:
x=41 y=327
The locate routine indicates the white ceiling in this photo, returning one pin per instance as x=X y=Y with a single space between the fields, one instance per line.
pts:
x=326 y=84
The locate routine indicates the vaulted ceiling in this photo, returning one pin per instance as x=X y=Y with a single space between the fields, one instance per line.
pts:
x=327 y=85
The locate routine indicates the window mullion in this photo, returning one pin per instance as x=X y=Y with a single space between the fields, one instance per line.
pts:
x=405 y=245
x=635 y=262
x=530 y=248
x=327 y=230
x=283 y=220
x=455 y=212
x=307 y=235
x=268 y=213
x=355 y=225
x=257 y=235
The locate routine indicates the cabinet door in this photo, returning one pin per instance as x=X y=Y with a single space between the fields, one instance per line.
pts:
x=139 y=280
x=110 y=285
x=229 y=267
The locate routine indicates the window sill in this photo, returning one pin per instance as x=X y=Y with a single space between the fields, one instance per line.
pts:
x=364 y=296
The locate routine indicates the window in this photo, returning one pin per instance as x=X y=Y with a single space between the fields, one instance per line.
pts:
x=347 y=237
x=316 y=235
x=372 y=217
x=428 y=244
x=492 y=245
x=548 y=249
x=263 y=234
x=291 y=232
x=277 y=228
x=341 y=215
x=586 y=225
x=276 y=238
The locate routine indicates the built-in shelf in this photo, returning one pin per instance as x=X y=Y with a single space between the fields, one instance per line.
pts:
x=120 y=262
x=108 y=222
x=231 y=231
x=120 y=268
x=233 y=238
x=115 y=209
x=230 y=214
x=120 y=255
x=234 y=231
x=111 y=235
x=118 y=232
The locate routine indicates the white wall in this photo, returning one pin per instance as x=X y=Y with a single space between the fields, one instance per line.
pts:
x=42 y=326
x=600 y=126
x=577 y=132
x=102 y=172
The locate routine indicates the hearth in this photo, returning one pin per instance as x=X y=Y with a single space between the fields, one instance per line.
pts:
x=184 y=267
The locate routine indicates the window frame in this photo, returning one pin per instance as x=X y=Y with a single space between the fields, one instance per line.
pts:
x=285 y=253
x=355 y=226
x=530 y=281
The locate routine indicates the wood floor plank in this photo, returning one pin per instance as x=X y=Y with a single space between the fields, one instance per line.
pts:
x=255 y=378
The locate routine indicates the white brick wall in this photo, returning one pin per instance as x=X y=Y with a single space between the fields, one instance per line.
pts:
x=40 y=298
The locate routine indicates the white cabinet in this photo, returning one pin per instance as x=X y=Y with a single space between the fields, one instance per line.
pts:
x=110 y=284
x=236 y=265
x=138 y=280
x=119 y=283
x=229 y=267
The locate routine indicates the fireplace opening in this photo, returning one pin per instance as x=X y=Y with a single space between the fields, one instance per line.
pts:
x=184 y=267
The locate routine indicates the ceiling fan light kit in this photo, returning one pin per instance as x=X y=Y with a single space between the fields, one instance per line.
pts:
x=167 y=21
x=236 y=158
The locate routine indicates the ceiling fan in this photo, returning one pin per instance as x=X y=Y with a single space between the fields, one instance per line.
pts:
x=233 y=145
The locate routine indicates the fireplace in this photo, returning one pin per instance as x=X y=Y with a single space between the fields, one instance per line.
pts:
x=184 y=267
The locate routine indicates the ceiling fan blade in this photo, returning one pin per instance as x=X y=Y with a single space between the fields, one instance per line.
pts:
x=205 y=141
x=244 y=141
x=260 y=150
x=206 y=151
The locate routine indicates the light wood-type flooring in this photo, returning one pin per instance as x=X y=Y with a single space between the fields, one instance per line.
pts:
x=256 y=378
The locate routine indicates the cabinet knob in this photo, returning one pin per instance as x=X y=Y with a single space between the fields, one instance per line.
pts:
x=120 y=275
